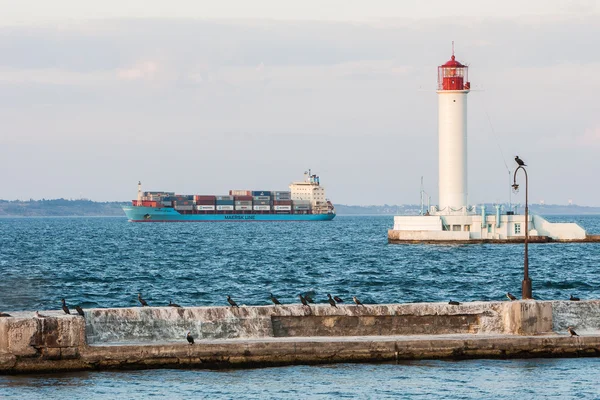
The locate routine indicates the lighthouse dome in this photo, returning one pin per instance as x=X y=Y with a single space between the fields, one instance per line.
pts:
x=453 y=63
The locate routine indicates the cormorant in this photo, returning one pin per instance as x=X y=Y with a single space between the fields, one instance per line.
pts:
x=3 y=314
x=573 y=298
x=233 y=303
x=572 y=331
x=79 y=311
x=171 y=304
x=331 y=301
x=144 y=304
x=339 y=300
x=511 y=297
x=65 y=308
x=357 y=301
x=454 y=303
x=303 y=301
x=519 y=161
x=309 y=296
x=190 y=338
x=274 y=300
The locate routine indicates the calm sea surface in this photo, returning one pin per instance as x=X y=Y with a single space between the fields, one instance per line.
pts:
x=105 y=262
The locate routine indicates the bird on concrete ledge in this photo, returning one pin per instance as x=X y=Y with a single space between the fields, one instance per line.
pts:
x=357 y=301
x=231 y=302
x=65 y=308
x=79 y=311
x=520 y=162
x=572 y=331
x=142 y=301
x=171 y=304
x=573 y=298
x=339 y=300
x=454 y=303
x=190 y=338
x=2 y=314
x=511 y=297
x=303 y=301
x=274 y=299
x=331 y=300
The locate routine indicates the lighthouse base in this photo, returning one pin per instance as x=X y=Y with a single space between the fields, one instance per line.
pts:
x=507 y=228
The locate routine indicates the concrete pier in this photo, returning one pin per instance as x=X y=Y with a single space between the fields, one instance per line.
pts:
x=152 y=337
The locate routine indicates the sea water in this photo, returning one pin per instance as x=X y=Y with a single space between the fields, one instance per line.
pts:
x=106 y=262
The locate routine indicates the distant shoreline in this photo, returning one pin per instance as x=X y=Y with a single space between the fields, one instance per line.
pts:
x=89 y=208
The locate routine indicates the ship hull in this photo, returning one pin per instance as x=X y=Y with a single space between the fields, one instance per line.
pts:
x=167 y=214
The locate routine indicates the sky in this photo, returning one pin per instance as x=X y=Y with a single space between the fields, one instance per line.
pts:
x=199 y=97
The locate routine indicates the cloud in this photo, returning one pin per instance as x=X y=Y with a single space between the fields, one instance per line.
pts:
x=146 y=70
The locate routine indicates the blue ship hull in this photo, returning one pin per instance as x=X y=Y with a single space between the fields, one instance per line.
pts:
x=168 y=214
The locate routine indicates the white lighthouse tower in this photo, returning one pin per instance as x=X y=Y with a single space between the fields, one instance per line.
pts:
x=453 y=220
x=453 y=87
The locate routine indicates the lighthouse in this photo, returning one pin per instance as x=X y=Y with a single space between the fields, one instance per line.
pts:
x=453 y=220
x=453 y=87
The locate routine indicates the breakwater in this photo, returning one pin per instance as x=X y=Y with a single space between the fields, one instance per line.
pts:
x=122 y=338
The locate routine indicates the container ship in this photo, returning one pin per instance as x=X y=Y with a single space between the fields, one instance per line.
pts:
x=305 y=201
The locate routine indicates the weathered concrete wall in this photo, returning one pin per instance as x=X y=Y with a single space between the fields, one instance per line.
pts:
x=150 y=324
x=155 y=336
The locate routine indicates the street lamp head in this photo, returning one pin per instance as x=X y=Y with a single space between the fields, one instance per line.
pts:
x=515 y=187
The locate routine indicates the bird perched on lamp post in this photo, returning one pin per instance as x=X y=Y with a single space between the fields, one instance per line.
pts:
x=520 y=162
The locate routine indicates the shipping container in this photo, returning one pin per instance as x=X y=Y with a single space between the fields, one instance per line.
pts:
x=183 y=203
x=205 y=202
x=204 y=197
x=220 y=198
x=242 y=208
x=205 y=208
x=262 y=208
x=243 y=203
x=240 y=193
x=277 y=193
x=225 y=208
x=149 y=203
x=225 y=202
x=262 y=203
x=167 y=203
x=255 y=198
x=184 y=208
x=282 y=202
x=282 y=208
x=261 y=193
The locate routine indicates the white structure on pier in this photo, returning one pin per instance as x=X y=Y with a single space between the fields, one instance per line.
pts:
x=453 y=219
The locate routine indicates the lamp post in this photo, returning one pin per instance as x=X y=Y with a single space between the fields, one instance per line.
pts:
x=526 y=291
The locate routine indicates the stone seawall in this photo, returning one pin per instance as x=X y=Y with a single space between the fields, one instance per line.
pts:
x=268 y=335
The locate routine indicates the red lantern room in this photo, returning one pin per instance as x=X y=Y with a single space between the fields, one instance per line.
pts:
x=453 y=75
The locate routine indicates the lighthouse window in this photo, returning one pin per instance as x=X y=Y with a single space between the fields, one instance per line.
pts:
x=517 y=228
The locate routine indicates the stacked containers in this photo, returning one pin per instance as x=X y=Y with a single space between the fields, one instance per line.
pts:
x=205 y=203
x=225 y=203
x=301 y=205
x=182 y=202
x=262 y=200
x=282 y=201
x=243 y=203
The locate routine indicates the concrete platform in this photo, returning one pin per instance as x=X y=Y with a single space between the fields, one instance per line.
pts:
x=154 y=337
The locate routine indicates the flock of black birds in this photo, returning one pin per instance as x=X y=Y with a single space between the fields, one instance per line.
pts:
x=306 y=300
